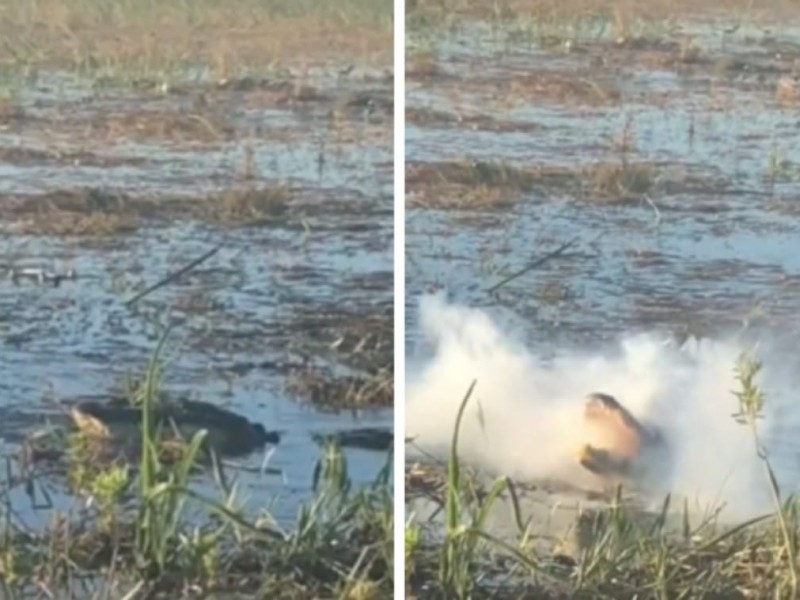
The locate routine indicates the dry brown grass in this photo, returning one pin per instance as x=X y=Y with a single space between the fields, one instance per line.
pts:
x=193 y=115
x=250 y=206
x=145 y=36
x=474 y=122
x=621 y=12
x=96 y=213
x=63 y=223
x=473 y=185
x=461 y=197
x=21 y=155
x=621 y=181
x=172 y=126
x=787 y=91
x=563 y=88
x=472 y=173
x=487 y=186
x=423 y=65
x=326 y=391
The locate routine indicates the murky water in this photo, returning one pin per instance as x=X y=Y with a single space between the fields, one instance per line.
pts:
x=712 y=245
x=239 y=317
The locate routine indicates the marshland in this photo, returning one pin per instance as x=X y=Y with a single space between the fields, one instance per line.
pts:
x=601 y=197
x=196 y=206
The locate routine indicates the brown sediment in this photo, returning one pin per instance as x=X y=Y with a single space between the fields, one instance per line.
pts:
x=475 y=173
x=21 y=155
x=484 y=185
x=621 y=181
x=787 y=91
x=326 y=391
x=349 y=356
x=95 y=212
x=422 y=66
x=474 y=122
x=169 y=125
x=196 y=117
x=562 y=88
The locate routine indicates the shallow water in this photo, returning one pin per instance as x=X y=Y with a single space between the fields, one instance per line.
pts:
x=241 y=317
x=714 y=243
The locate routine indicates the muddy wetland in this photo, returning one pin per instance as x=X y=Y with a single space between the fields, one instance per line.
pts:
x=195 y=238
x=601 y=198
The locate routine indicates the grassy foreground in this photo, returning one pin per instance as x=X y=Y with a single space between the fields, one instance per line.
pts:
x=139 y=529
x=620 y=555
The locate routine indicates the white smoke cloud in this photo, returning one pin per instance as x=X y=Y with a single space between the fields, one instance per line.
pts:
x=525 y=415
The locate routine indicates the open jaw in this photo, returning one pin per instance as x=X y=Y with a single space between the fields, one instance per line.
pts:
x=622 y=449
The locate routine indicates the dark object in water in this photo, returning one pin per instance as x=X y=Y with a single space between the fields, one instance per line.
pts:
x=39 y=275
x=228 y=433
x=365 y=438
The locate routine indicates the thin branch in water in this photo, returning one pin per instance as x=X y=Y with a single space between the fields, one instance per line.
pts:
x=655 y=210
x=535 y=264
x=173 y=276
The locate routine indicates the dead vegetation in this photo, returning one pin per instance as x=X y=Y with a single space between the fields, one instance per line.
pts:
x=623 y=14
x=562 y=88
x=192 y=119
x=481 y=185
x=327 y=391
x=475 y=122
x=466 y=185
x=621 y=181
x=349 y=358
x=97 y=212
x=787 y=91
x=167 y=125
x=21 y=155
x=423 y=65
x=137 y=39
x=250 y=206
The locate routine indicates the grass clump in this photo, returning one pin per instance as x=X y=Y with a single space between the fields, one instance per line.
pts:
x=464 y=565
x=327 y=391
x=146 y=531
x=94 y=212
x=469 y=184
x=623 y=181
x=251 y=206
x=618 y=549
x=488 y=185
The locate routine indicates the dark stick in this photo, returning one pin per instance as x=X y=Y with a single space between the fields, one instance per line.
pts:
x=173 y=276
x=537 y=263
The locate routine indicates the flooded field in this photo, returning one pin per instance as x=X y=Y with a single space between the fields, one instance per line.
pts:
x=588 y=189
x=304 y=239
x=125 y=158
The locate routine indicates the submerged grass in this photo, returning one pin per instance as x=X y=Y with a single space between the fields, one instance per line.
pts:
x=484 y=185
x=618 y=551
x=98 y=212
x=145 y=531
